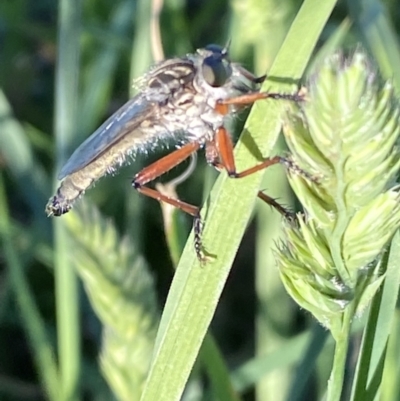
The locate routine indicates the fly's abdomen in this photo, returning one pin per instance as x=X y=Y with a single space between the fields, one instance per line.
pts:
x=72 y=187
x=76 y=183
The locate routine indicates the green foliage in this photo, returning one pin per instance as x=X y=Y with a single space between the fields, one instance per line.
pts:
x=347 y=135
x=195 y=291
x=121 y=291
x=53 y=345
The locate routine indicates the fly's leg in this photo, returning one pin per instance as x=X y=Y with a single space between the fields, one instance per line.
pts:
x=219 y=153
x=157 y=169
x=224 y=150
x=288 y=215
x=225 y=161
x=250 y=98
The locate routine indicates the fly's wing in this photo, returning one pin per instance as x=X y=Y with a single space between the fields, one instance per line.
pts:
x=124 y=120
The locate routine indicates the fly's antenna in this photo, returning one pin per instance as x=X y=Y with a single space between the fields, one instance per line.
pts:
x=225 y=50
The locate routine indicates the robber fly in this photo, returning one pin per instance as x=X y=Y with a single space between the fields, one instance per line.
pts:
x=181 y=99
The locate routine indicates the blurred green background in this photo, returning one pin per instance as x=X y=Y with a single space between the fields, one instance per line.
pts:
x=256 y=325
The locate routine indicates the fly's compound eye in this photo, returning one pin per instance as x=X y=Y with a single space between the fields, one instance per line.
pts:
x=216 y=69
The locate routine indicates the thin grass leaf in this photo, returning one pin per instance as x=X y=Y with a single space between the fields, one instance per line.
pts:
x=369 y=371
x=256 y=21
x=99 y=74
x=17 y=152
x=333 y=43
x=379 y=35
x=196 y=289
x=141 y=58
x=307 y=364
x=177 y=31
x=66 y=95
x=42 y=351
x=253 y=21
x=390 y=388
x=290 y=354
x=210 y=355
x=286 y=356
x=217 y=371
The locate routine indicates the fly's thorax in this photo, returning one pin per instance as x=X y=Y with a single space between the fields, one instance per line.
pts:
x=185 y=92
x=178 y=105
x=186 y=117
x=166 y=79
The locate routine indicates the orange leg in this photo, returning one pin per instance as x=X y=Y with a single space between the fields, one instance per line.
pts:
x=160 y=167
x=222 y=151
x=250 y=98
x=157 y=169
x=219 y=152
x=224 y=146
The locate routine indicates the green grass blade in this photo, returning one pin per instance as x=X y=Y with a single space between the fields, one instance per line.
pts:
x=141 y=56
x=217 y=370
x=333 y=43
x=141 y=59
x=67 y=303
x=379 y=34
x=390 y=389
x=34 y=326
x=210 y=355
x=99 y=75
x=289 y=354
x=196 y=289
x=373 y=351
x=296 y=351
x=274 y=312
x=16 y=149
x=308 y=363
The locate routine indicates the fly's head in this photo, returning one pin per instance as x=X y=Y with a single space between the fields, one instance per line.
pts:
x=214 y=67
x=218 y=76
